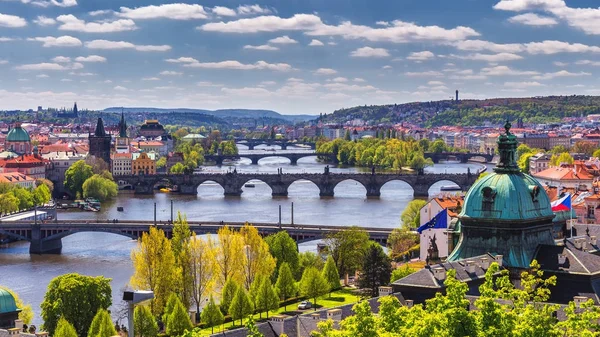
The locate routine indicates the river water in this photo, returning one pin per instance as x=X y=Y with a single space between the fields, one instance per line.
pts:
x=109 y=254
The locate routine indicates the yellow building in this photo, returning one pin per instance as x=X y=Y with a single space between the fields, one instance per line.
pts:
x=143 y=163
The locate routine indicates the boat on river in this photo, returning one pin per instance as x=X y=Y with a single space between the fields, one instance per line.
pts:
x=249 y=185
x=450 y=188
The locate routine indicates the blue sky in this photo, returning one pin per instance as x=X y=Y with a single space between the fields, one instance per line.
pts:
x=292 y=56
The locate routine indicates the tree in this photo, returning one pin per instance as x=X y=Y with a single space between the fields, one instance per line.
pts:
x=229 y=257
x=596 y=154
x=179 y=320
x=99 y=188
x=64 y=329
x=400 y=241
x=347 y=135
x=585 y=147
x=98 y=164
x=180 y=243
x=201 y=268
x=266 y=299
x=347 y=247
x=8 y=203
x=227 y=294
x=171 y=302
x=401 y=272
x=418 y=162
x=41 y=195
x=240 y=305
x=563 y=158
x=48 y=183
x=211 y=315
x=411 y=216
x=558 y=149
x=284 y=249
x=26 y=313
x=257 y=259
x=75 y=298
x=313 y=285
x=251 y=329
x=154 y=267
x=523 y=149
x=376 y=269
x=438 y=146
x=76 y=175
x=308 y=259
x=331 y=275
x=178 y=168
x=161 y=162
x=286 y=286
x=143 y=322
x=102 y=325
x=24 y=196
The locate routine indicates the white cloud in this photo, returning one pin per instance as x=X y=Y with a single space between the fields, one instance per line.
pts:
x=588 y=63
x=370 y=52
x=101 y=12
x=315 y=43
x=120 y=88
x=560 y=64
x=521 y=85
x=170 y=73
x=150 y=79
x=339 y=80
x=66 y=80
x=506 y=71
x=429 y=73
x=44 y=21
x=47 y=3
x=107 y=81
x=12 y=21
x=387 y=67
x=398 y=32
x=480 y=45
x=176 y=11
x=3 y=61
x=435 y=83
x=106 y=44
x=229 y=64
x=91 y=58
x=7 y=39
x=500 y=57
x=76 y=65
x=325 y=71
x=261 y=47
x=283 y=40
x=61 y=41
x=332 y=43
x=41 y=66
x=561 y=73
x=71 y=23
x=82 y=74
x=382 y=23
x=223 y=11
x=61 y=59
x=183 y=60
x=42 y=76
x=420 y=56
x=532 y=19
x=358 y=80
x=553 y=47
x=252 y=9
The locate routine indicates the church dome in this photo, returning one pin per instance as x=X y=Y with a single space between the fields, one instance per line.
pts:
x=17 y=134
x=7 y=302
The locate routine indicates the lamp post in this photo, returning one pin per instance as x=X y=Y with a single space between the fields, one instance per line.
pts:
x=132 y=298
x=171 y=211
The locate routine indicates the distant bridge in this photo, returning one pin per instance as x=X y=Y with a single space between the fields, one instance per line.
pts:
x=232 y=182
x=255 y=157
x=462 y=157
x=46 y=238
x=283 y=143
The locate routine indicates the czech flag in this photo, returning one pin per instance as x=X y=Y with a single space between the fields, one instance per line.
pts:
x=562 y=204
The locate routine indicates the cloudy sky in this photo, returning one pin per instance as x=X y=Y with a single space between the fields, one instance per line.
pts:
x=292 y=56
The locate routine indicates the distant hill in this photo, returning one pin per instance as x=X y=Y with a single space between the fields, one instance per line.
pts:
x=550 y=109
x=223 y=113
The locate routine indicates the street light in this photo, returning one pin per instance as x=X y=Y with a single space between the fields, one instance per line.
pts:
x=132 y=298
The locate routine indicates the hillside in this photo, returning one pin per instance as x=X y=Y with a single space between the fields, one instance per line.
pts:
x=472 y=112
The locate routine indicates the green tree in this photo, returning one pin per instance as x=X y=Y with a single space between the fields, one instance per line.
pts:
x=144 y=323
x=41 y=195
x=347 y=135
x=240 y=305
x=347 y=247
x=286 y=285
x=229 y=291
x=524 y=162
x=308 y=259
x=8 y=203
x=252 y=329
x=171 y=302
x=313 y=285
x=102 y=325
x=559 y=159
x=178 y=321
x=161 y=162
x=180 y=243
x=411 y=216
x=211 y=315
x=99 y=188
x=523 y=149
x=418 y=162
x=178 y=168
x=284 y=249
x=400 y=241
x=26 y=313
x=585 y=147
x=266 y=299
x=401 y=272
x=64 y=329
x=24 y=196
x=558 y=149
x=48 y=183
x=596 y=154
x=438 y=146
x=76 y=298
x=376 y=269
x=331 y=275
x=76 y=175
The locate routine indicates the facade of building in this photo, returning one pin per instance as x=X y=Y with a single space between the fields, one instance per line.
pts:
x=566 y=176
x=143 y=163
x=29 y=164
x=174 y=158
x=17 y=179
x=122 y=141
x=442 y=237
x=539 y=162
x=99 y=143
x=17 y=140
x=121 y=164
x=60 y=161
x=151 y=129
x=153 y=146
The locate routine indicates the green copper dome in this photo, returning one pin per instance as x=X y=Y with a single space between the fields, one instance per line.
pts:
x=7 y=302
x=17 y=134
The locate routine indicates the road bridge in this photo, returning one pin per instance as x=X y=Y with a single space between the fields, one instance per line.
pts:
x=46 y=238
x=283 y=143
x=462 y=157
x=232 y=182
x=255 y=157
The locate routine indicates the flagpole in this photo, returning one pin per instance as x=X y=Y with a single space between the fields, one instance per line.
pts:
x=571 y=216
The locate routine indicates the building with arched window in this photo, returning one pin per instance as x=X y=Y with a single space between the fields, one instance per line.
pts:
x=143 y=163
x=18 y=140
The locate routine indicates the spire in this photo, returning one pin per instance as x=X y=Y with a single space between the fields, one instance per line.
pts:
x=75 y=108
x=122 y=126
x=507 y=147
x=100 y=128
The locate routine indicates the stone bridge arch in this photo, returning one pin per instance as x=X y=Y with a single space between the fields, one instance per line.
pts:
x=349 y=179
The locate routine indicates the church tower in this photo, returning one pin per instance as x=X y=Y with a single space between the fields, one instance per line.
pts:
x=122 y=141
x=75 y=110
x=99 y=142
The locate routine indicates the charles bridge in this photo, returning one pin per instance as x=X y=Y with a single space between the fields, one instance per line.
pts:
x=46 y=237
x=255 y=157
x=283 y=143
x=232 y=182
x=462 y=157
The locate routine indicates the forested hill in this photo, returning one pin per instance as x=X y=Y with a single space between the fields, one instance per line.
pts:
x=472 y=112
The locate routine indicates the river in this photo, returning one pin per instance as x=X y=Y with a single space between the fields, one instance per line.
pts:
x=109 y=254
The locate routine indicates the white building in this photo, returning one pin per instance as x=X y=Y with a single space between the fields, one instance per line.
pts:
x=121 y=164
x=61 y=161
x=440 y=235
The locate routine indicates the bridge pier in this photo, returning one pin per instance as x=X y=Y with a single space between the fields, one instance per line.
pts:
x=294 y=160
x=284 y=146
x=255 y=160
x=250 y=146
x=188 y=189
x=143 y=189
x=233 y=191
x=373 y=191
x=40 y=246
x=326 y=190
x=279 y=190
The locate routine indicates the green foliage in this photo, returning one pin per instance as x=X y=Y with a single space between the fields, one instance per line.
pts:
x=99 y=188
x=286 y=285
x=102 y=325
x=171 y=302
x=178 y=321
x=331 y=275
x=411 y=216
x=524 y=162
x=178 y=168
x=347 y=248
x=240 y=305
x=24 y=196
x=76 y=298
x=284 y=249
x=251 y=329
x=482 y=175
x=76 y=175
x=229 y=291
x=8 y=203
x=585 y=147
x=161 y=162
x=308 y=259
x=182 y=253
x=376 y=269
x=41 y=194
x=266 y=298
x=144 y=324
x=400 y=241
x=48 y=183
x=596 y=154
x=563 y=158
x=313 y=285
x=401 y=272
x=558 y=149
x=64 y=329
x=211 y=315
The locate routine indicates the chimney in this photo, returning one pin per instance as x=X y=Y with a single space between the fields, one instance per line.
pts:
x=593 y=240
x=485 y=263
x=562 y=258
x=409 y=303
x=498 y=259
x=19 y=324
x=470 y=266
x=277 y=324
x=577 y=243
x=385 y=291
x=439 y=273
x=584 y=245
x=335 y=315
x=579 y=300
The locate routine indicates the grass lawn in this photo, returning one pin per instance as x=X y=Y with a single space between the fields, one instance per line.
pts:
x=340 y=297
